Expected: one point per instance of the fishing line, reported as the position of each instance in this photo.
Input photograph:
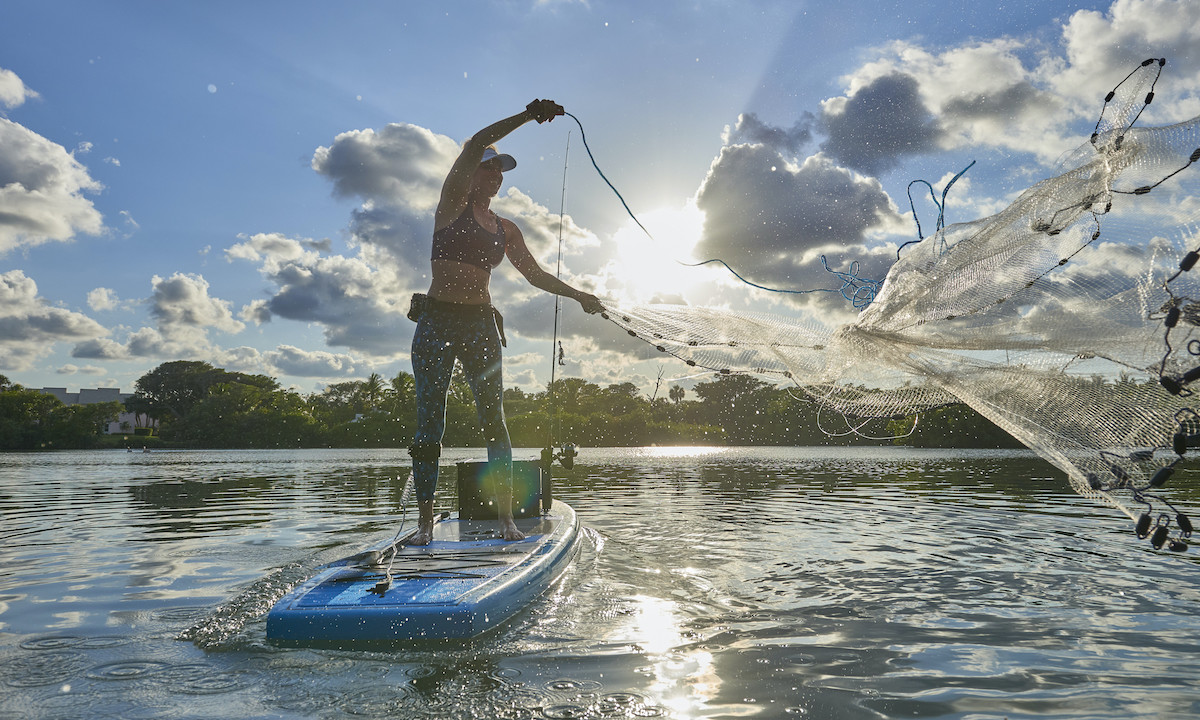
(863, 290)
(604, 177)
(859, 291)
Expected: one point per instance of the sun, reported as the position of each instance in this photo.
(644, 268)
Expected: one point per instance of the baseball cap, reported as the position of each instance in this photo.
(506, 161)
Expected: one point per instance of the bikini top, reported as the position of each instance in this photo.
(466, 241)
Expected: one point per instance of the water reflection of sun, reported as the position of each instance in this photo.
(683, 679)
(643, 268)
(681, 451)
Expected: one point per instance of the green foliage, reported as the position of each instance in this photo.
(172, 390)
(956, 426)
(199, 405)
(33, 420)
(241, 414)
(203, 406)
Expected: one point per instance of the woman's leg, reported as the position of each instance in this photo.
(484, 372)
(482, 361)
(433, 362)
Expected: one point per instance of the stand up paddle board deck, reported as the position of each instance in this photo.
(466, 582)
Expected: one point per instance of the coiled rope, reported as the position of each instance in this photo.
(941, 206)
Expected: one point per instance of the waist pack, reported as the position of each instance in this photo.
(417, 306)
(422, 303)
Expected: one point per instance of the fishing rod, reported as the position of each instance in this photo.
(567, 454)
(555, 356)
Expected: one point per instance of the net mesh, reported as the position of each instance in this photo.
(1067, 319)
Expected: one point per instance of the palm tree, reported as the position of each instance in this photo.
(404, 392)
(372, 390)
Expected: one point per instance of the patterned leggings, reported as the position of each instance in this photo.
(469, 333)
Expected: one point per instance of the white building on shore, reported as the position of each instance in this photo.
(124, 424)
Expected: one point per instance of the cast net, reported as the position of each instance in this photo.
(1069, 319)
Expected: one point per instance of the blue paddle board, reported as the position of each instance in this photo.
(467, 581)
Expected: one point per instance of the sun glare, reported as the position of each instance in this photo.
(644, 268)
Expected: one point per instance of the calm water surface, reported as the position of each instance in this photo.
(763, 583)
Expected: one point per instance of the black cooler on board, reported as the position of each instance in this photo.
(477, 495)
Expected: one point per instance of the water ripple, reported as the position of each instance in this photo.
(771, 582)
(125, 669)
(43, 668)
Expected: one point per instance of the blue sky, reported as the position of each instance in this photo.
(252, 184)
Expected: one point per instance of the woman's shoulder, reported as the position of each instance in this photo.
(444, 221)
(510, 227)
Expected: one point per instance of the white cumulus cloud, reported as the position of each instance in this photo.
(29, 327)
(13, 91)
(102, 298)
(42, 190)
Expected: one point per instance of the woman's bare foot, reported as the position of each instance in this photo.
(424, 534)
(509, 531)
(421, 537)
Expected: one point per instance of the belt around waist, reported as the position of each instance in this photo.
(422, 302)
(460, 308)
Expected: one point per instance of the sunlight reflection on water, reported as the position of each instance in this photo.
(713, 582)
(678, 452)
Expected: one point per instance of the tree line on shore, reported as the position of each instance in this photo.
(197, 405)
(34, 420)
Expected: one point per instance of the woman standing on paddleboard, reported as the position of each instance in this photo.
(457, 320)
